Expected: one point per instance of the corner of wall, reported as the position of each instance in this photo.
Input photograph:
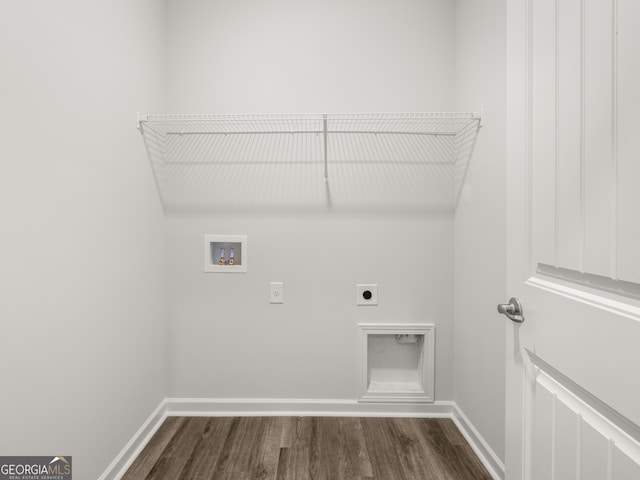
(479, 272)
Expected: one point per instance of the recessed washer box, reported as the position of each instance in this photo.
(225, 253)
(397, 362)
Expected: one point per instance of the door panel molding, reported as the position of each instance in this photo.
(573, 434)
(600, 284)
(583, 172)
(597, 300)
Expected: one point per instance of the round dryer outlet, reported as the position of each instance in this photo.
(367, 294)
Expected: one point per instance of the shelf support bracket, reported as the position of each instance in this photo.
(141, 118)
(324, 128)
(479, 115)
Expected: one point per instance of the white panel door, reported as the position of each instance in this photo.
(573, 216)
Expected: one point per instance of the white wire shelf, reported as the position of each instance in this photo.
(203, 160)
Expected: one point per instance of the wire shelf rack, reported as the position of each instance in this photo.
(374, 159)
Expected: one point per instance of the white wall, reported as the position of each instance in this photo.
(301, 56)
(226, 340)
(82, 314)
(480, 235)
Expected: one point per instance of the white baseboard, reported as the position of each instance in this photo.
(484, 452)
(230, 407)
(133, 448)
(243, 407)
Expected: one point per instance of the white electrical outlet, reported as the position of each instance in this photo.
(277, 292)
(367, 294)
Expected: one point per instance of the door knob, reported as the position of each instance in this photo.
(513, 310)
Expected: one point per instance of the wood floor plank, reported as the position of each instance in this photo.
(289, 428)
(354, 447)
(450, 430)
(307, 448)
(452, 462)
(178, 451)
(233, 458)
(208, 451)
(251, 451)
(295, 459)
(293, 463)
(266, 449)
(472, 464)
(327, 460)
(416, 452)
(325, 447)
(382, 445)
(154, 449)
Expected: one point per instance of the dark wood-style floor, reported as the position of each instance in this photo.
(301, 448)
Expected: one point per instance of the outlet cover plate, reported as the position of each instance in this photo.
(277, 292)
(361, 299)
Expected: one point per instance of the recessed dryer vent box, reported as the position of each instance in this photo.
(225, 253)
(397, 362)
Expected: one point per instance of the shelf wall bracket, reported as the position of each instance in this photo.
(141, 118)
(480, 116)
(326, 167)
